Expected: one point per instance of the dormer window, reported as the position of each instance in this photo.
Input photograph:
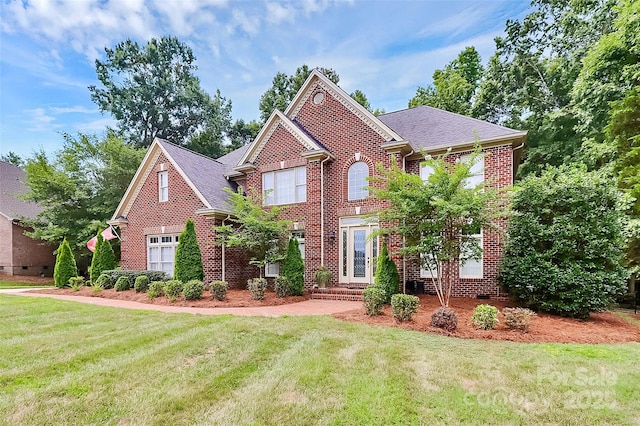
(358, 185)
(163, 186)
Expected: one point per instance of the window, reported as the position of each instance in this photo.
(163, 186)
(357, 175)
(426, 272)
(285, 186)
(425, 172)
(273, 269)
(477, 172)
(473, 268)
(161, 252)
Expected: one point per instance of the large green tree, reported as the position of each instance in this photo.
(242, 133)
(79, 187)
(438, 217)
(284, 89)
(152, 90)
(454, 86)
(530, 79)
(259, 231)
(565, 242)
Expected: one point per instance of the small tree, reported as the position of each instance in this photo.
(387, 277)
(293, 269)
(439, 216)
(254, 229)
(565, 243)
(188, 256)
(65, 267)
(103, 258)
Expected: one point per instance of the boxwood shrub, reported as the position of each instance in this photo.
(485, 317)
(373, 298)
(123, 283)
(141, 284)
(218, 289)
(193, 290)
(135, 273)
(173, 289)
(156, 289)
(404, 306)
(257, 287)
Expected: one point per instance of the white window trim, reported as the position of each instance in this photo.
(160, 244)
(360, 193)
(163, 191)
(268, 270)
(269, 199)
(462, 273)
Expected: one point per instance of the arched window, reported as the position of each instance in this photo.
(358, 184)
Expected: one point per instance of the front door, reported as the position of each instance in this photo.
(359, 253)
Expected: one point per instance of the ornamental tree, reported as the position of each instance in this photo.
(65, 267)
(103, 258)
(437, 217)
(387, 277)
(293, 269)
(258, 231)
(565, 243)
(188, 256)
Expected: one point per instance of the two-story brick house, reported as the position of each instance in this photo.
(314, 158)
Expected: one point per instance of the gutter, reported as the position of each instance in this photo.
(322, 210)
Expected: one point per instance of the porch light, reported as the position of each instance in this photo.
(332, 235)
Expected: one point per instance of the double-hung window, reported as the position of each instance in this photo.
(161, 252)
(472, 268)
(285, 186)
(476, 172)
(163, 186)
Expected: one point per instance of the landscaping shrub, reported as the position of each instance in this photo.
(444, 318)
(485, 317)
(156, 289)
(76, 283)
(565, 243)
(188, 258)
(173, 289)
(106, 281)
(281, 286)
(404, 306)
(123, 284)
(257, 287)
(387, 277)
(373, 298)
(65, 266)
(518, 318)
(132, 274)
(141, 284)
(193, 290)
(103, 258)
(219, 289)
(96, 287)
(293, 269)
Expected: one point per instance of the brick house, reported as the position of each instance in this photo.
(315, 158)
(19, 254)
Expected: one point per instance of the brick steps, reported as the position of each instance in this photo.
(337, 293)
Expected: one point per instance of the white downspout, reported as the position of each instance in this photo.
(404, 239)
(322, 211)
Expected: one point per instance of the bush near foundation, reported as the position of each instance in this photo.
(193, 290)
(444, 318)
(141, 284)
(123, 284)
(373, 298)
(219, 289)
(156, 289)
(404, 306)
(485, 317)
(173, 289)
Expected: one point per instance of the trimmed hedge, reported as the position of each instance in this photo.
(218, 289)
(132, 274)
(281, 286)
(156, 289)
(106, 281)
(257, 287)
(141, 284)
(173, 289)
(193, 290)
(373, 298)
(123, 284)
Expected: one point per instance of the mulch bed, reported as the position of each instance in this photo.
(235, 298)
(603, 327)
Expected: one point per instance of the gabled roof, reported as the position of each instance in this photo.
(277, 118)
(428, 128)
(204, 175)
(12, 185)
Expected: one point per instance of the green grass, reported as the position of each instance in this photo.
(16, 284)
(69, 363)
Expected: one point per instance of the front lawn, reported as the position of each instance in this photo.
(18, 284)
(69, 363)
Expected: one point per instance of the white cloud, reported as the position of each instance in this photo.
(240, 19)
(78, 109)
(95, 126)
(277, 13)
(37, 120)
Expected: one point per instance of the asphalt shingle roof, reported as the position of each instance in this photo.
(427, 127)
(206, 174)
(12, 185)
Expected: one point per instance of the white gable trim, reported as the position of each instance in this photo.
(317, 79)
(143, 172)
(276, 118)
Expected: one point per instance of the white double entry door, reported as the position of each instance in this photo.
(358, 251)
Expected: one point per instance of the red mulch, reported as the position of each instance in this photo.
(603, 327)
(235, 298)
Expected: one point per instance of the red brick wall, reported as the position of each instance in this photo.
(148, 216)
(21, 255)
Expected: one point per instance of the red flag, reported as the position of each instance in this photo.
(108, 234)
(91, 244)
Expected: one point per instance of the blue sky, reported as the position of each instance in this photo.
(384, 48)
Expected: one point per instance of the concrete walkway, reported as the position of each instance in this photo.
(308, 307)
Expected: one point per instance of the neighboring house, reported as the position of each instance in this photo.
(19, 254)
(314, 158)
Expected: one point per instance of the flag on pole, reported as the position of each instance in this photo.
(107, 234)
